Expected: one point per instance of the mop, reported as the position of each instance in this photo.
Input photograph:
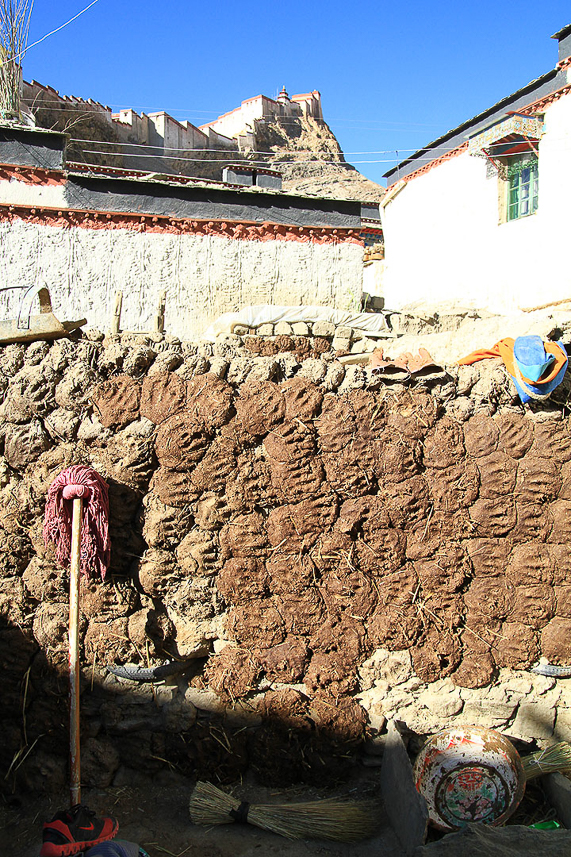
(80, 532)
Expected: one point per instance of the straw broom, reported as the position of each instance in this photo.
(339, 820)
(554, 758)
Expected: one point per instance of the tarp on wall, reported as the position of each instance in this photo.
(371, 323)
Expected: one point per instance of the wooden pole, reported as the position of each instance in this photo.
(74, 575)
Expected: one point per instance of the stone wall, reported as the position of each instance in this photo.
(328, 549)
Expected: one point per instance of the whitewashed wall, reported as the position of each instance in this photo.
(443, 239)
(203, 276)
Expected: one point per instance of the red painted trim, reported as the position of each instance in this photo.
(32, 175)
(158, 224)
(542, 103)
(435, 163)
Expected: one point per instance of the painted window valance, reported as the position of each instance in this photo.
(518, 125)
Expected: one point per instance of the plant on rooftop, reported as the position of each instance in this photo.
(14, 29)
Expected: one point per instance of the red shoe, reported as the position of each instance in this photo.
(74, 830)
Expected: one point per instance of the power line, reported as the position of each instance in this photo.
(47, 35)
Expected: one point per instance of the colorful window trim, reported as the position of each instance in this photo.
(522, 187)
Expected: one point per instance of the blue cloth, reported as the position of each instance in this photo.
(116, 848)
(533, 361)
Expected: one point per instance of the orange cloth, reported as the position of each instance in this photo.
(505, 349)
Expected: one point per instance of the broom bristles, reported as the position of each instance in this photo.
(338, 820)
(548, 761)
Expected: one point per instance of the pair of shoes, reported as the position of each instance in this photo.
(74, 830)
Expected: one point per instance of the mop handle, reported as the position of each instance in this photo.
(75, 493)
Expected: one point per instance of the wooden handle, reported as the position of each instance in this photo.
(74, 573)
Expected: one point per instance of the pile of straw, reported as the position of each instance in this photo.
(554, 758)
(339, 820)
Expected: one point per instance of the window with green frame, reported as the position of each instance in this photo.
(523, 186)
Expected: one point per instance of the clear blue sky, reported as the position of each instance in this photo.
(392, 76)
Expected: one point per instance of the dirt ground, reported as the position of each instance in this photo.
(156, 816)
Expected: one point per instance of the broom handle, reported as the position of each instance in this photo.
(74, 755)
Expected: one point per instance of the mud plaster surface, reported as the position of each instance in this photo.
(287, 533)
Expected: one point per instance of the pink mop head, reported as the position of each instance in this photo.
(79, 481)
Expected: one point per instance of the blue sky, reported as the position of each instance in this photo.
(392, 76)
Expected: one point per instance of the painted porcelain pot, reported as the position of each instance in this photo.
(469, 774)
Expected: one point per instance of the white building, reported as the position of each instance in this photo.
(480, 214)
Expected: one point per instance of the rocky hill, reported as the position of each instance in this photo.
(304, 149)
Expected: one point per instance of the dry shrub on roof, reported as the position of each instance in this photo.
(497, 475)
(556, 641)
(209, 401)
(232, 673)
(117, 401)
(180, 443)
(286, 662)
(256, 625)
(162, 395)
(260, 406)
(516, 434)
(302, 399)
(481, 436)
(244, 536)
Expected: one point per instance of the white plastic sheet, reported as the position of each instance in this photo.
(371, 323)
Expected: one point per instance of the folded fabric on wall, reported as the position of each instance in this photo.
(373, 323)
(536, 367)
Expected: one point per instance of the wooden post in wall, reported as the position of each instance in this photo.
(116, 317)
(160, 316)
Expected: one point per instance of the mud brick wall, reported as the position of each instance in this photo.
(333, 552)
